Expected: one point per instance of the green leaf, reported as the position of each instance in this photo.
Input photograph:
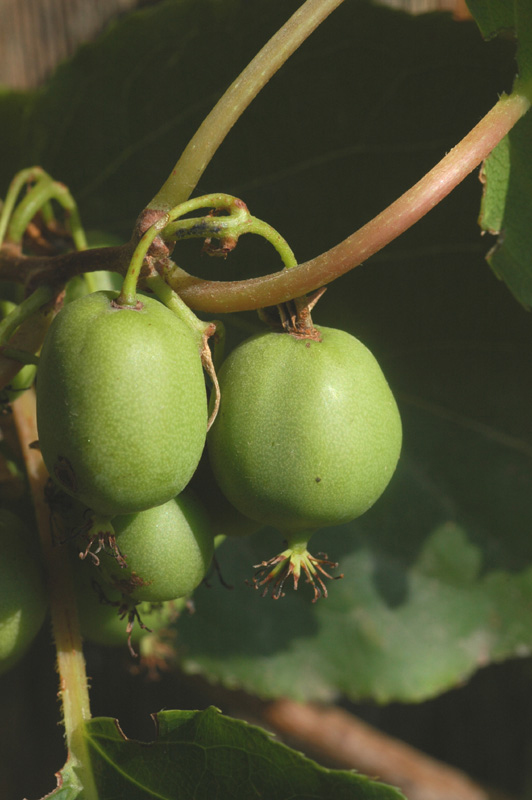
(389, 630)
(507, 17)
(493, 16)
(507, 207)
(112, 122)
(203, 755)
(507, 201)
(69, 786)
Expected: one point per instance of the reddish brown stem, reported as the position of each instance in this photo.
(220, 297)
(56, 270)
(350, 742)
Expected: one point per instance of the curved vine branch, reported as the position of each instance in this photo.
(217, 297)
(222, 297)
(32, 271)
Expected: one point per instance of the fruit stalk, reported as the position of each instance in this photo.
(217, 297)
(37, 199)
(73, 689)
(15, 187)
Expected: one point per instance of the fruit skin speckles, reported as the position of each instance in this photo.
(121, 404)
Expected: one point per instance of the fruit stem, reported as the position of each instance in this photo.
(222, 297)
(218, 297)
(73, 685)
(19, 355)
(20, 313)
(262, 228)
(128, 294)
(235, 207)
(231, 227)
(44, 190)
(198, 153)
(35, 198)
(172, 301)
(24, 176)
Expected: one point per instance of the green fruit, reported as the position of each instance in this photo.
(167, 549)
(23, 600)
(308, 433)
(101, 280)
(103, 619)
(25, 376)
(224, 518)
(121, 404)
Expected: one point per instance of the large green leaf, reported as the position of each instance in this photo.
(438, 575)
(112, 122)
(493, 16)
(421, 605)
(205, 755)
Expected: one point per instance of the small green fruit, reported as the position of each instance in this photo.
(25, 376)
(167, 550)
(103, 619)
(23, 600)
(121, 404)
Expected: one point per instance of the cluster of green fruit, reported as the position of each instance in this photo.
(307, 435)
(122, 415)
(122, 420)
